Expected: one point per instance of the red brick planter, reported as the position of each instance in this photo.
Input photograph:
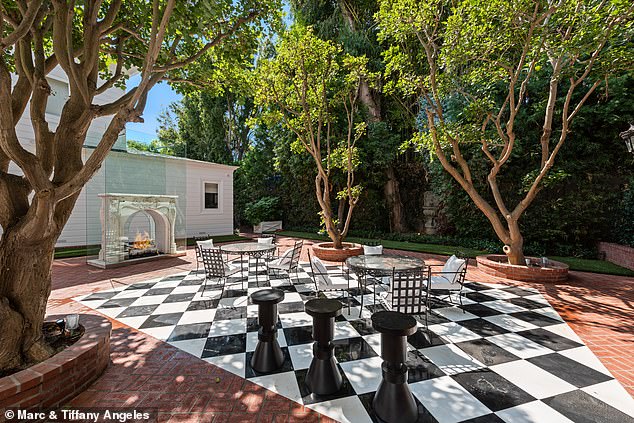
(52, 383)
(326, 251)
(621, 255)
(497, 265)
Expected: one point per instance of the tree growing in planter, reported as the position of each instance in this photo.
(471, 63)
(97, 44)
(304, 87)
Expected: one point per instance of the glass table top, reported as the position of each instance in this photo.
(247, 247)
(384, 262)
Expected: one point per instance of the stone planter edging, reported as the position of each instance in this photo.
(324, 251)
(490, 264)
(54, 382)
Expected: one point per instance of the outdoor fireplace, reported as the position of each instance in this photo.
(118, 245)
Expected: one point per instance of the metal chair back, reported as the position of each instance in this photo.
(409, 292)
(213, 262)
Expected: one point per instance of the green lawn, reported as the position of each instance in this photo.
(91, 250)
(579, 264)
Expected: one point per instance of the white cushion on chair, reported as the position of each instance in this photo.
(205, 245)
(454, 265)
(266, 241)
(444, 282)
(321, 273)
(283, 261)
(372, 250)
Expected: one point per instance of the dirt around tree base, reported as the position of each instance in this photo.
(54, 339)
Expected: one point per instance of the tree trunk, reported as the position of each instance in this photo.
(515, 249)
(25, 284)
(393, 198)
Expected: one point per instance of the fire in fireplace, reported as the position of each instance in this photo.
(142, 246)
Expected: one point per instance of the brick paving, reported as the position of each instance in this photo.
(146, 372)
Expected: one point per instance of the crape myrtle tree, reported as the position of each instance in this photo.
(98, 44)
(471, 63)
(308, 87)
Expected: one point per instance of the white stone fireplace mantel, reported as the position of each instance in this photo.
(117, 208)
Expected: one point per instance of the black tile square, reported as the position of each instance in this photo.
(550, 340)
(569, 370)
(141, 285)
(138, 311)
(233, 293)
(435, 302)
(424, 338)
(117, 302)
(487, 418)
(519, 291)
(492, 389)
(287, 365)
(480, 310)
(432, 318)
(223, 345)
(476, 286)
(482, 327)
(486, 352)
(299, 335)
(350, 349)
(294, 307)
(159, 291)
(581, 407)
(173, 278)
(535, 318)
(424, 416)
(229, 313)
(100, 296)
(421, 368)
(203, 305)
(363, 326)
(159, 320)
(526, 303)
(254, 326)
(478, 297)
(308, 397)
(179, 298)
(190, 331)
(191, 282)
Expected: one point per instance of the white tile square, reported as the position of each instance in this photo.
(447, 400)
(565, 331)
(374, 341)
(166, 308)
(227, 327)
(149, 300)
(453, 332)
(455, 314)
(301, 355)
(586, 357)
(166, 284)
(532, 412)
(549, 312)
(197, 316)
(192, 346)
(161, 333)
(284, 384)
(451, 359)
(133, 322)
(344, 330)
(536, 381)
(364, 375)
(187, 289)
(92, 303)
(233, 302)
(510, 323)
(612, 393)
(518, 345)
(345, 410)
(291, 297)
(503, 306)
(499, 294)
(111, 312)
(291, 320)
(209, 294)
(131, 293)
(234, 363)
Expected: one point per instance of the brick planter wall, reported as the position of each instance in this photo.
(52, 383)
(618, 254)
(325, 251)
(497, 265)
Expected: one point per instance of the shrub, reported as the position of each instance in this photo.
(266, 208)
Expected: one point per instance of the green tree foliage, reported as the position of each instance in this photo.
(302, 88)
(472, 64)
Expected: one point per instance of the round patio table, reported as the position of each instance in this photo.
(380, 266)
(251, 249)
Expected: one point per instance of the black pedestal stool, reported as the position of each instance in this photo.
(268, 355)
(323, 376)
(393, 401)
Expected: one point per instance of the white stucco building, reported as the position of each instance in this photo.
(202, 192)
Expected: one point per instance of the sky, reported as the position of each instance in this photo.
(159, 98)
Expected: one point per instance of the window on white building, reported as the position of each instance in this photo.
(211, 195)
(58, 97)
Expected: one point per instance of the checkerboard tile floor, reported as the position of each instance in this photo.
(505, 355)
